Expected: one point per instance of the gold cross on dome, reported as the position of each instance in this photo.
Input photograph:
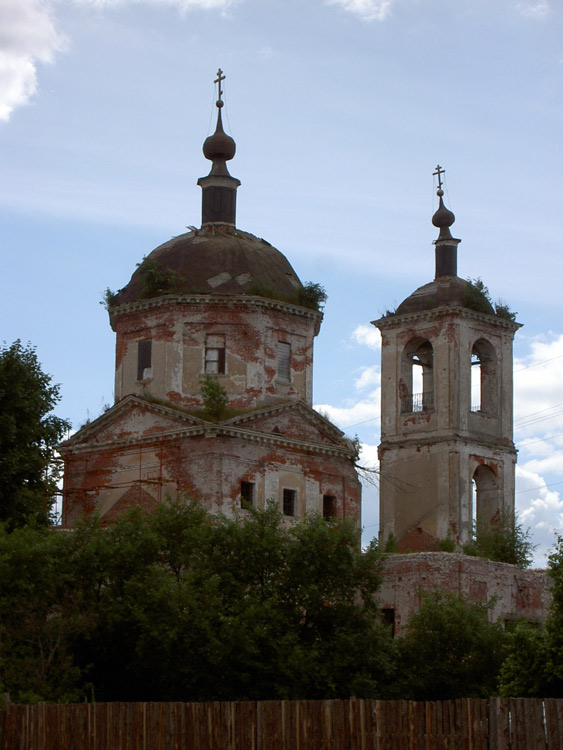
(220, 77)
(439, 172)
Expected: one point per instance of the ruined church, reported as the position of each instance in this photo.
(220, 307)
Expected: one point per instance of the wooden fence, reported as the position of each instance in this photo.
(496, 724)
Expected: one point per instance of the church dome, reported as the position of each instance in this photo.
(226, 261)
(443, 292)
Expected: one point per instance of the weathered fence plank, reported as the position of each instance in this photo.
(472, 724)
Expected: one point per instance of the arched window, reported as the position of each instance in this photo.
(417, 376)
(484, 388)
(486, 505)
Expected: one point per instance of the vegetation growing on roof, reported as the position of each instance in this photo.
(477, 297)
(109, 298)
(215, 397)
(310, 295)
(157, 281)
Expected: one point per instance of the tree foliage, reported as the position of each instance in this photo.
(179, 605)
(215, 396)
(502, 541)
(29, 435)
(523, 673)
(534, 662)
(450, 650)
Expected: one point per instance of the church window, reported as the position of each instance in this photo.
(247, 494)
(144, 359)
(417, 377)
(215, 355)
(329, 506)
(388, 617)
(484, 390)
(289, 498)
(284, 360)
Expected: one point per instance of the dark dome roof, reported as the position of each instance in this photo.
(443, 292)
(225, 262)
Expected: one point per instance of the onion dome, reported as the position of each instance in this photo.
(443, 218)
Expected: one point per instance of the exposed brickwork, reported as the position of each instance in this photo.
(516, 593)
(139, 452)
(252, 327)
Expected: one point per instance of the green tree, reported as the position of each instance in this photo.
(554, 625)
(524, 670)
(39, 617)
(501, 541)
(182, 605)
(534, 662)
(215, 397)
(449, 650)
(29, 435)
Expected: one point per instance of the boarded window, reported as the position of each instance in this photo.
(329, 506)
(284, 361)
(144, 358)
(215, 355)
(246, 494)
(289, 497)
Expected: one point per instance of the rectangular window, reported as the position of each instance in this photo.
(388, 617)
(329, 506)
(215, 355)
(289, 497)
(246, 494)
(144, 358)
(284, 361)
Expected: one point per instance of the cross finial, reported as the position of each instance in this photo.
(220, 77)
(439, 172)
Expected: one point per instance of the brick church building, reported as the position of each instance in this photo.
(221, 302)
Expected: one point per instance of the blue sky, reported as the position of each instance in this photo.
(341, 110)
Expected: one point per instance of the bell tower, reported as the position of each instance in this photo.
(446, 454)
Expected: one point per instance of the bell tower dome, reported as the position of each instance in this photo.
(446, 454)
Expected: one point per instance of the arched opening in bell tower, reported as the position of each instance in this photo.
(484, 390)
(417, 376)
(485, 501)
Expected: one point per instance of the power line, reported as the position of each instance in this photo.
(543, 361)
(540, 440)
(540, 411)
(539, 487)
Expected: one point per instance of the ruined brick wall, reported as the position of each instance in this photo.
(518, 593)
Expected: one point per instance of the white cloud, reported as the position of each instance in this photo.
(370, 376)
(534, 8)
(359, 412)
(371, 10)
(540, 508)
(27, 36)
(367, 335)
